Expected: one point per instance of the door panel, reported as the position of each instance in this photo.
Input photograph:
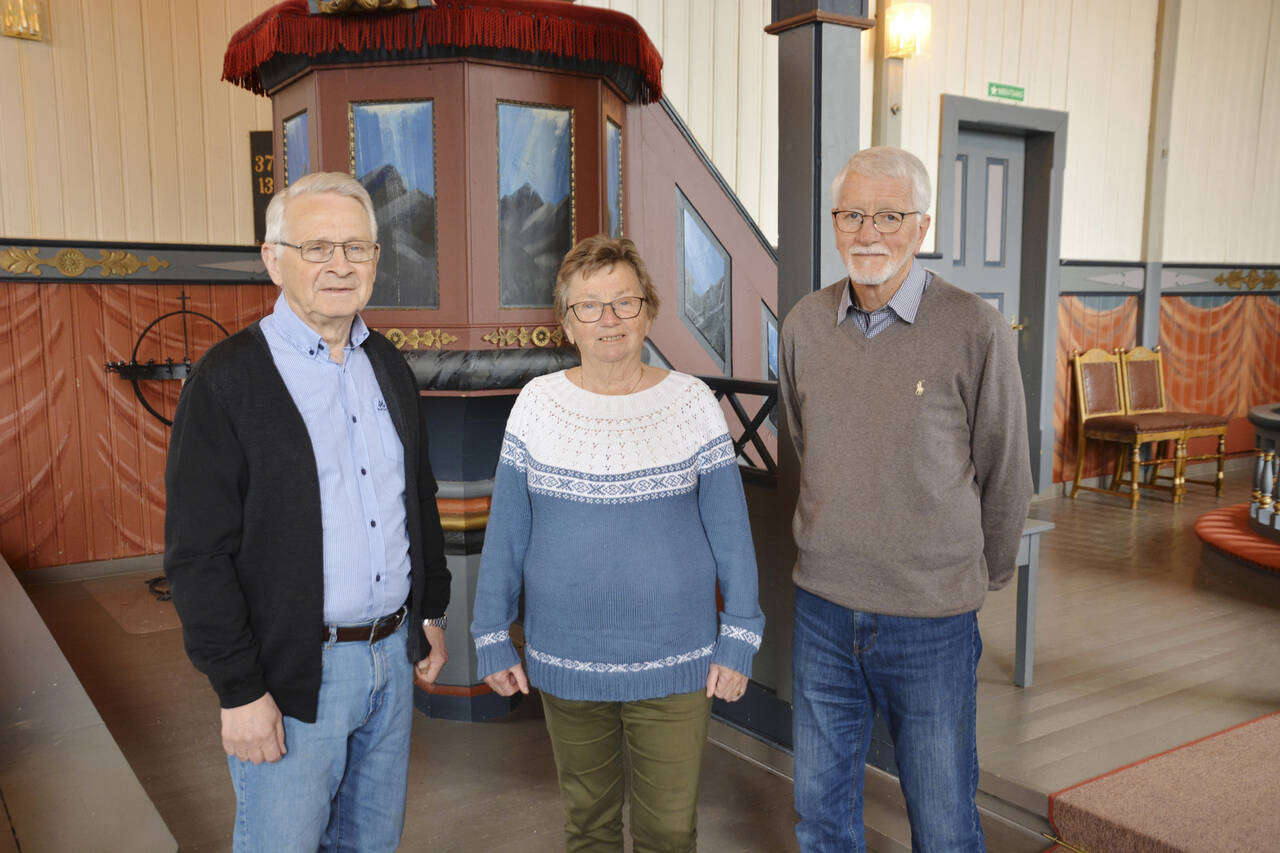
(986, 246)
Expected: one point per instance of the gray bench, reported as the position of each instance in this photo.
(65, 783)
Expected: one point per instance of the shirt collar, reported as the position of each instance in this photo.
(905, 302)
(305, 339)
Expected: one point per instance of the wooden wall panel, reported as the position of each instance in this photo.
(749, 83)
(135, 120)
(123, 129)
(118, 127)
(1091, 58)
(720, 74)
(61, 388)
(15, 204)
(44, 141)
(214, 98)
(71, 106)
(1264, 205)
(106, 113)
(13, 509)
(725, 89)
(1220, 156)
(165, 186)
(659, 160)
(87, 460)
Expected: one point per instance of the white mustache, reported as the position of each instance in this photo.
(868, 250)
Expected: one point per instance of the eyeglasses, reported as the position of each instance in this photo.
(886, 221)
(319, 251)
(624, 308)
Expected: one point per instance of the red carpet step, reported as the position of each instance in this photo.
(1219, 794)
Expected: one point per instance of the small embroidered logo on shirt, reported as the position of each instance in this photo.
(919, 387)
(382, 404)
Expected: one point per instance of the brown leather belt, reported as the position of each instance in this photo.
(372, 633)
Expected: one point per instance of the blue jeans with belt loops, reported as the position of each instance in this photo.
(341, 784)
(921, 674)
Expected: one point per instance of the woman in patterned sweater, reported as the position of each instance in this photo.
(617, 507)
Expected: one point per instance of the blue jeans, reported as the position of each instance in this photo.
(921, 674)
(341, 784)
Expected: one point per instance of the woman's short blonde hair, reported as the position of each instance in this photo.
(601, 253)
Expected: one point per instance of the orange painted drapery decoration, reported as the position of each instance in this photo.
(1222, 356)
(83, 461)
(1081, 327)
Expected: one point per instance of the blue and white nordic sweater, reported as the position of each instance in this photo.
(618, 515)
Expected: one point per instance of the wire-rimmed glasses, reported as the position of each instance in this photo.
(320, 251)
(885, 221)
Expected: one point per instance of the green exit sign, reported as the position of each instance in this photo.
(1005, 91)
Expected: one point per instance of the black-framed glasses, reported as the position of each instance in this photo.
(591, 310)
(885, 221)
(319, 251)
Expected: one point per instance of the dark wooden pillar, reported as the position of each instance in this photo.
(819, 62)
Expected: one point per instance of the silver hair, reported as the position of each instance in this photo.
(884, 161)
(338, 183)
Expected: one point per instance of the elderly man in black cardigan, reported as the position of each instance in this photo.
(303, 544)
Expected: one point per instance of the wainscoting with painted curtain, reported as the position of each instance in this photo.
(1221, 353)
(83, 460)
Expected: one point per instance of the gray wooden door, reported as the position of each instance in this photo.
(986, 238)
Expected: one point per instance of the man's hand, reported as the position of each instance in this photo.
(725, 683)
(254, 732)
(508, 681)
(429, 667)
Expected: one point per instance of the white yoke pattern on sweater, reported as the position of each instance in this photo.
(617, 515)
(617, 456)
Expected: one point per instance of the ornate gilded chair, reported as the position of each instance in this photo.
(1143, 372)
(1101, 403)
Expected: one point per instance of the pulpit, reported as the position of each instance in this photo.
(491, 137)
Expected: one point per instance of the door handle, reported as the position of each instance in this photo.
(1015, 325)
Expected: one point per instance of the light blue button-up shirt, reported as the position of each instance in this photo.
(903, 305)
(360, 461)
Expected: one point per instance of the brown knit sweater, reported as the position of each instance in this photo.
(915, 469)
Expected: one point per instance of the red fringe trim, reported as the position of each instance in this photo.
(564, 29)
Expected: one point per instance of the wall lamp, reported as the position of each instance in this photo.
(907, 30)
(21, 19)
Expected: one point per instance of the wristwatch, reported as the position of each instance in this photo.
(440, 622)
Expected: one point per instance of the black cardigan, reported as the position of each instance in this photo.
(243, 538)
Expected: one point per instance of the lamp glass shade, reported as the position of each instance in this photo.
(907, 30)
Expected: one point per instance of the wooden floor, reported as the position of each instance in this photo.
(1141, 647)
(1142, 644)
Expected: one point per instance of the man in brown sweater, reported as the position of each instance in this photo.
(904, 400)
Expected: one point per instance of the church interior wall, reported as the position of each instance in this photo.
(119, 128)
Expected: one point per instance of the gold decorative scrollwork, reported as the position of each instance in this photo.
(72, 262)
(340, 7)
(1253, 280)
(21, 261)
(419, 338)
(539, 336)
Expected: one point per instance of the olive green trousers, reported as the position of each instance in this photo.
(663, 740)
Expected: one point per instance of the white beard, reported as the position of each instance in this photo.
(870, 279)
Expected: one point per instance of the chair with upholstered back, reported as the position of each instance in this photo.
(1142, 371)
(1101, 406)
